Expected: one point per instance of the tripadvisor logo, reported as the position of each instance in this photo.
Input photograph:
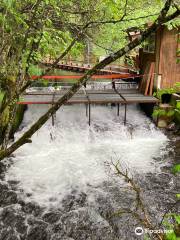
(139, 231)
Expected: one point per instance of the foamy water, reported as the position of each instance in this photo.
(72, 155)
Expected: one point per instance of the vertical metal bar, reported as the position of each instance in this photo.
(118, 109)
(52, 106)
(86, 110)
(113, 84)
(125, 113)
(52, 119)
(89, 114)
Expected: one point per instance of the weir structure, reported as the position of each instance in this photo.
(91, 97)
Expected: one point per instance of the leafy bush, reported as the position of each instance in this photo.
(161, 112)
(175, 89)
(160, 92)
(176, 169)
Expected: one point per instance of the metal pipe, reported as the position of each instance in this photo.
(125, 113)
(52, 106)
(89, 114)
(52, 119)
(86, 110)
(118, 109)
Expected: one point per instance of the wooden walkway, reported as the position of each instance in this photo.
(82, 67)
(88, 97)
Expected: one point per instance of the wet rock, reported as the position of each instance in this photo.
(86, 224)
(32, 208)
(73, 201)
(2, 170)
(8, 197)
(51, 217)
(171, 127)
(8, 216)
(12, 218)
(38, 229)
(9, 234)
(20, 225)
(58, 229)
(3, 186)
(38, 232)
(13, 184)
(32, 221)
(59, 237)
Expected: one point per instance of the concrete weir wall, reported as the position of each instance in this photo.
(18, 119)
(147, 108)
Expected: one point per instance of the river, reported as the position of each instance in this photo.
(62, 186)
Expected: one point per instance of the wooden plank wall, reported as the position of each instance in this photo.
(167, 59)
(144, 59)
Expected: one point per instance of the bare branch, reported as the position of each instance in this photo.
(120, 20)
(140, 206)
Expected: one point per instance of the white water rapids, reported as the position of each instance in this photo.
(48, 169)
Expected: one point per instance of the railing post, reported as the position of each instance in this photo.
(86, 110)
(89, 114)
(125, 113)
(118, 109)
(53, 115)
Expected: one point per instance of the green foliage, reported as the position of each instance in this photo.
(178, 195)
(110, 37)
(169, 225)
(35, 70)
(174, 89)
(158, 112)
(171, 236)
(161, 112)
(170, 113)
(160, 92)
(146, 237)
(177, 218)
(178, 105)
(5, 117)
(1, 96)
(176, 169)
(177, 87)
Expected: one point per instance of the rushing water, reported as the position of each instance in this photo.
(72, 156)
(66, 171)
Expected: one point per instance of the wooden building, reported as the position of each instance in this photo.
(162, 49)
